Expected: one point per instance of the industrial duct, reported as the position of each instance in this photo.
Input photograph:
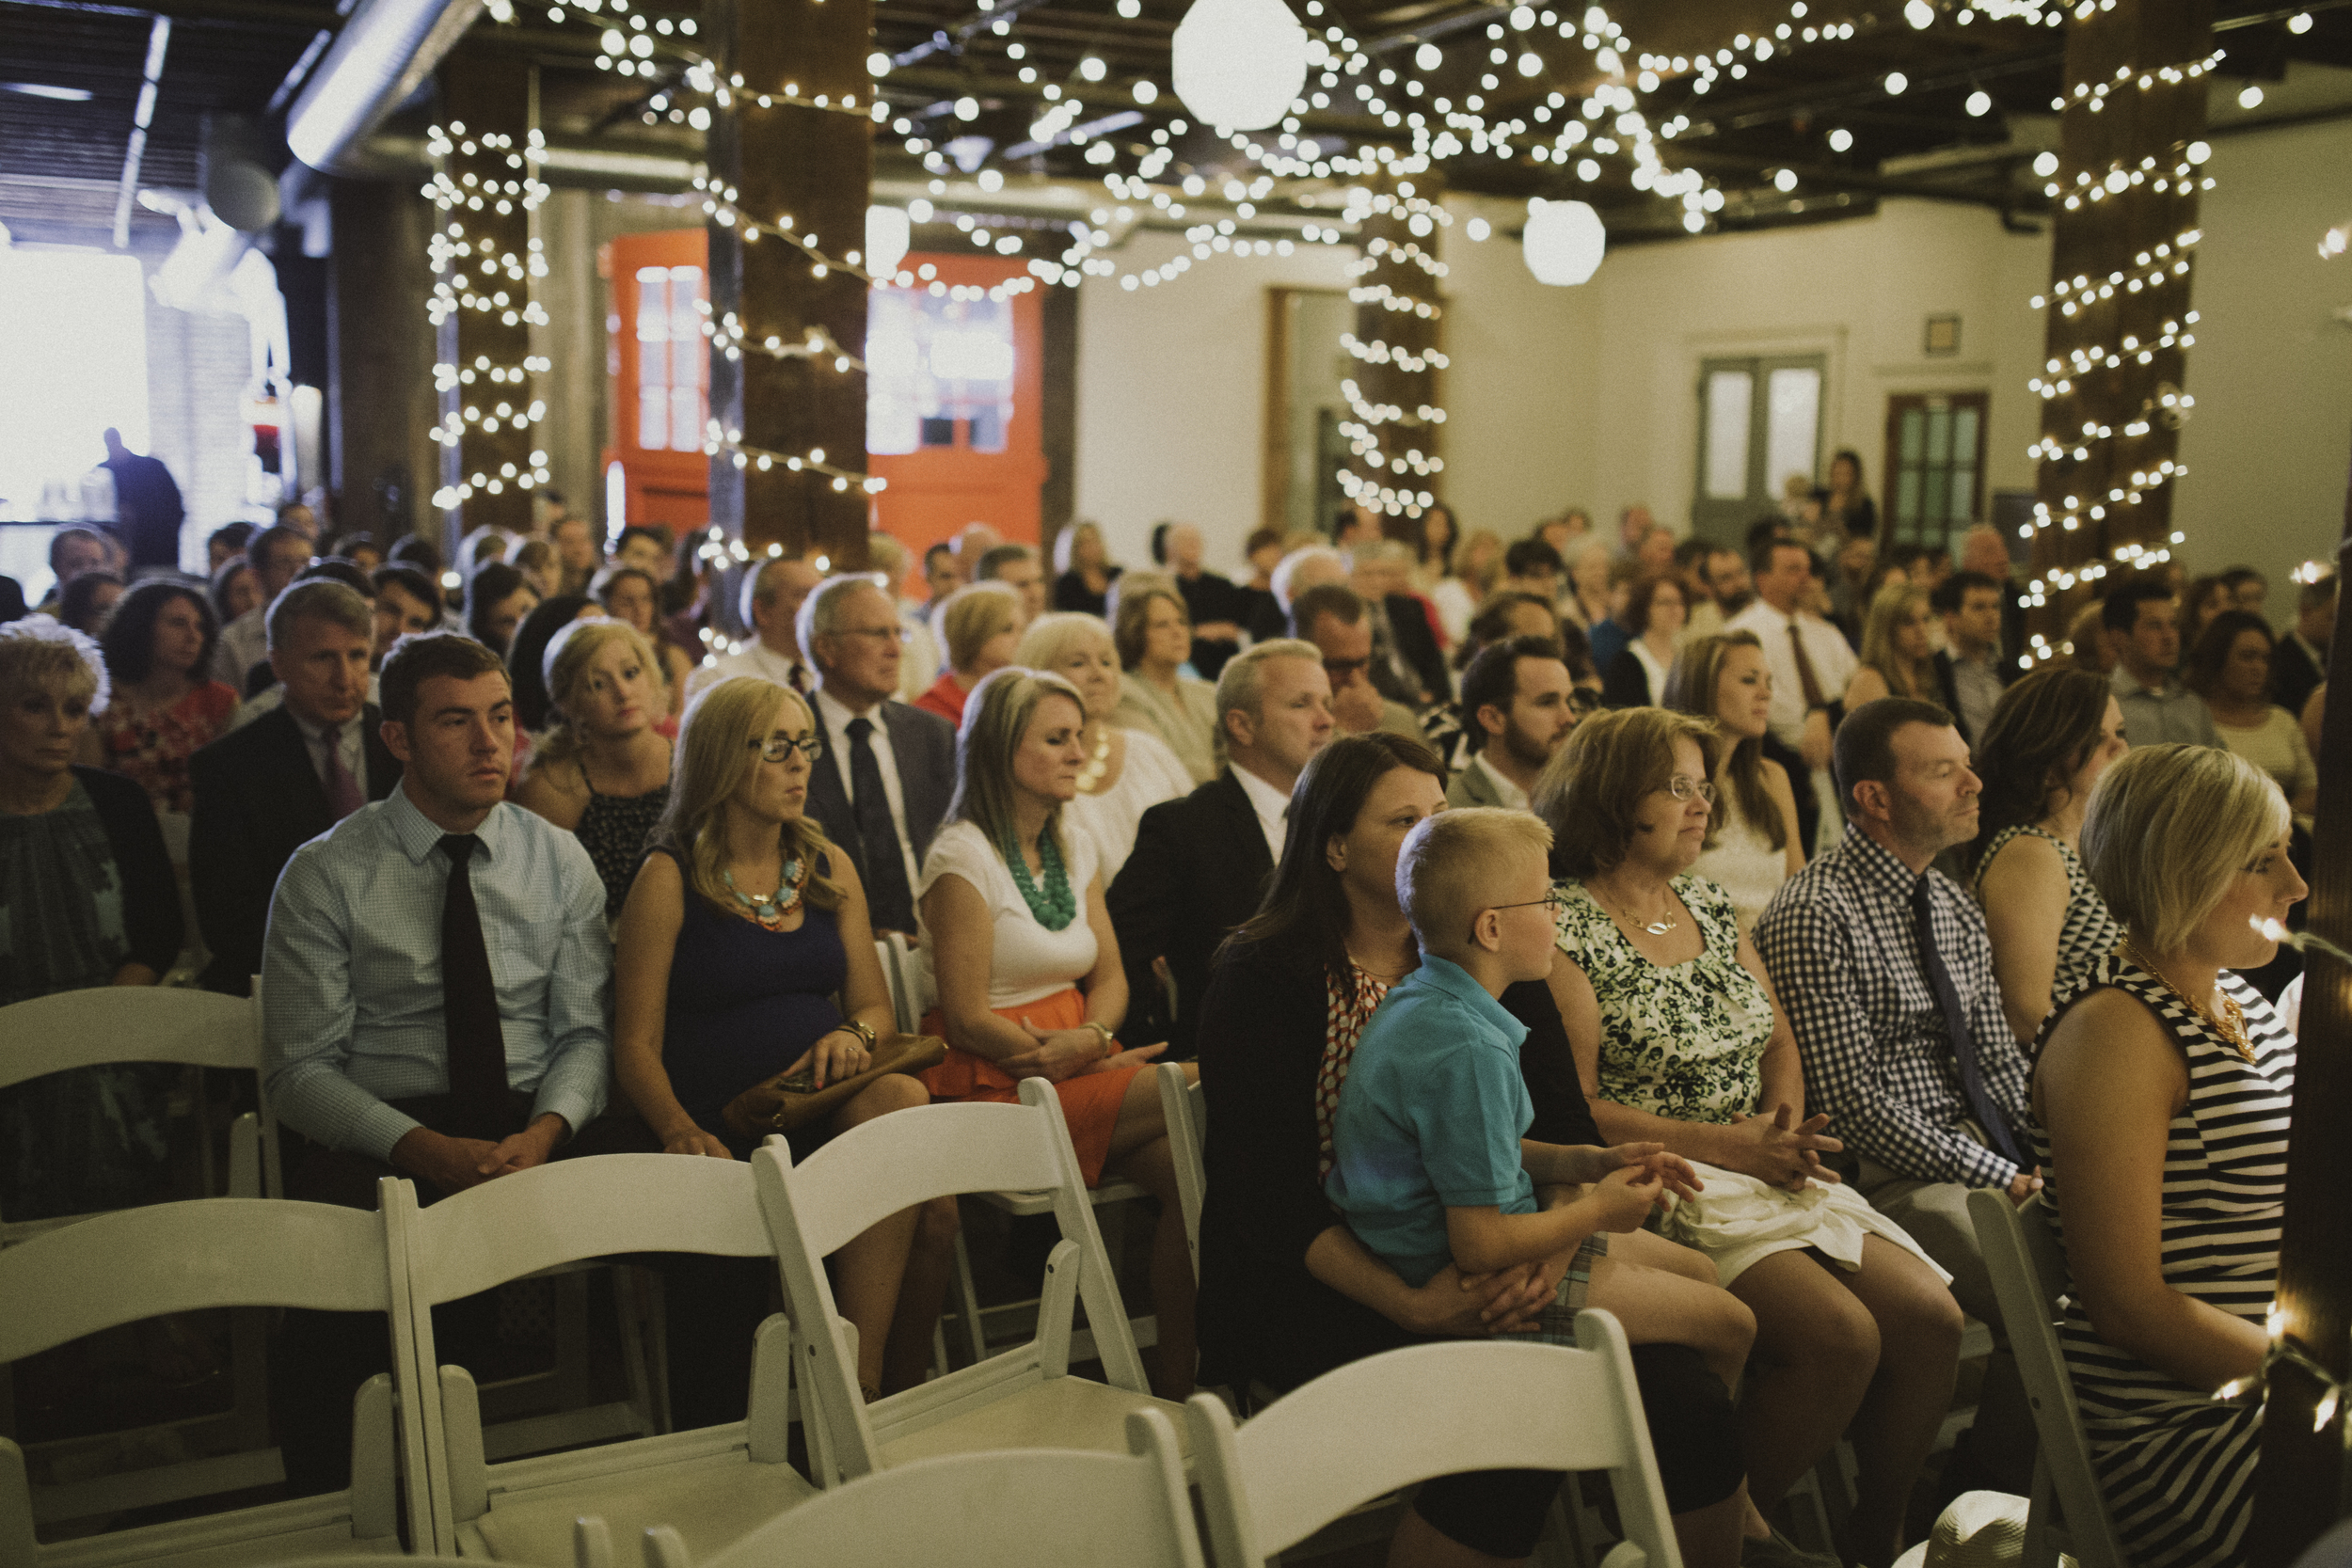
(383, 53)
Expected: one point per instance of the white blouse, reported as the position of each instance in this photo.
(1744, 864)
(1149, 775)
(1029, 962)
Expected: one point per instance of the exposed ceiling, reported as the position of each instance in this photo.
(62, 162)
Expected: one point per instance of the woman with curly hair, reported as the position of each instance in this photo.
(159, 649)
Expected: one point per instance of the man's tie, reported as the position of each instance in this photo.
(1990, 1116)
(469, 1008)
(889, 898)
(1806, 677)
(343, 794)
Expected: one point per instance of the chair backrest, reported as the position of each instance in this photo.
(1009, 1508)
(1388, 1420)
(127, 1023)
(121, 1267)
(890, 952)
(906, 1158)
(1185, 1110)
(2027, 1262)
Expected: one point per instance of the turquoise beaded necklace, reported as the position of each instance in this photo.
(1053, 904)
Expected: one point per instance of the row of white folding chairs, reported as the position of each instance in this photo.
(717, 1485)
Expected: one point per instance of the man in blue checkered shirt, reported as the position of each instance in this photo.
(1885, 970)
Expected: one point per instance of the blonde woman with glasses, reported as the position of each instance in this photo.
(741, 929)
(1030, 983)
(1681, 1041)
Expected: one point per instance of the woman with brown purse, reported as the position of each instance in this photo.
(740, 930)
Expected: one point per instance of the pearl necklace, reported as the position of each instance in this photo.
(1091, 774)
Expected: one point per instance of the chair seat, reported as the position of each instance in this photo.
(1117, 1190)
(232, 1543)
(712, 1510)
(1059, 1412)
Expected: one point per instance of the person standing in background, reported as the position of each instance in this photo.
(147, 504)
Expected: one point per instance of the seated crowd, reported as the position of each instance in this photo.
(1677, 930)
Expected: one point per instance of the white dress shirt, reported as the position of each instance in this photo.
(835, 716)
(1510, 795)
(757, 659)
(1825, 646)
(244, 643)
(1273, 808)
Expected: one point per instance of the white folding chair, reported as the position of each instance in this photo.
(1024, 1396)
(1008, 1509)
(2069, 1511)
(119, 1268)
(1375, 1425)
(1186, 1112)
(720, 1482)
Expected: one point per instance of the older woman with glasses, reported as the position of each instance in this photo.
(1680, 1041)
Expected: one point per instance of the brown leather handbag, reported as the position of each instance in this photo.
(790, 1101)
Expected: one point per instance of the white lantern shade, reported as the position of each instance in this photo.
(1564, 242)
(1238, 64)
(888, 233)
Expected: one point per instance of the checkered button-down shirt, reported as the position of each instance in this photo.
(1842, 945)
(351, 971)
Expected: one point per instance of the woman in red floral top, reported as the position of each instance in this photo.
(157, 646)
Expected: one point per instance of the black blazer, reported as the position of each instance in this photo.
(151, 894)
(2293, 676)
(1418, 644)
(924, 745)
(1199, 867)
(258, 799)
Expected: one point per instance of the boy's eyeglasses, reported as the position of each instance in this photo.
(777, 747)
(1684, 787)
(1555, 900)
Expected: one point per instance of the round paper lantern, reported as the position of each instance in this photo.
(1239, 63)
(1564, 242)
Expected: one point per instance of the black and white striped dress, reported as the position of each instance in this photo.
(2179, 1469)
(2089, 933)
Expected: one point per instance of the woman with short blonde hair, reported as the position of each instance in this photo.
(1127, 771)
(2161, 1091)
(741, 928)
(979, 627)
(605, 679)
(1029, 979)
(1680, 1040)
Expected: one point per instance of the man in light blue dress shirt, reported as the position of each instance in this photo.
(357, 1023)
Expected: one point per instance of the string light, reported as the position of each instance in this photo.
(819, 347)
(717, 439)
(720, 205)
(480, 276)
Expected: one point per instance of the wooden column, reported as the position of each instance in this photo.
(810, 170)
(486, 263)
(2118, 306)
(2302, 1484)
(1395, 422)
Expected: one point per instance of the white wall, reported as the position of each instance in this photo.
(1588, 395)
(2268, 444)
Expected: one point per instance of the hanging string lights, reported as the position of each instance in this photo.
(479, 277)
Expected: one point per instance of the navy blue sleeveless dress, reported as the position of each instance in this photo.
(744, 1003)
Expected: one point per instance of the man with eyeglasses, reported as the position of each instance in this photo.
(1519, 704)
(1335, 619)
(880, 782)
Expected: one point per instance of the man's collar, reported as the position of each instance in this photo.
(1506, 789)
(834, 714)
(2128, 685)
(1452, 978)
(1260, 793)
(1879, 864)
(416, 834)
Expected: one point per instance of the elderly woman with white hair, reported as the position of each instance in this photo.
(2161, 1091)
(602, 769)
(86, 899)
(1127, 771)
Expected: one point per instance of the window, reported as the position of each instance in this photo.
(1759, 427)
(1935, 473)
(939, 371)
(673, 362)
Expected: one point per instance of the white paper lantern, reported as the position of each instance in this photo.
(1238, 64)
(1564, 242)
(887, 236)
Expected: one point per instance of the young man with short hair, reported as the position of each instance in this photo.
(1968, 668)
(1519, 704)
(2145, 621)
(772, 593)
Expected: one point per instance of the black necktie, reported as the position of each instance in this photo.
(469, 1008)
(887, 895)
(1989, 1116)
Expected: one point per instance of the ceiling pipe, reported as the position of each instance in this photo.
(385, 51)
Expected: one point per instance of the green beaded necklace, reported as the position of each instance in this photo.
(1054, 904)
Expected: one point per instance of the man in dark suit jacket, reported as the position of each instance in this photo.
(266, 790)
(1201, 864)
(882, 782)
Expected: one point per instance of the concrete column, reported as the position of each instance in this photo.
(1395, 423)
(2118, 306)
(486, 263)
(781, 162)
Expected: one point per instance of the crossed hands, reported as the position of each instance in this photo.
(1060, 1054)
(453, 1164)
(1784, 1152)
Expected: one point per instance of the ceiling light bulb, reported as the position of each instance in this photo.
(2251, 98)
(1979, 103)
(1896, 83)
(1429, 56)
(1239, 63)
(877, 64)
(1840, 139)
(1920, 14)
(1563, 243)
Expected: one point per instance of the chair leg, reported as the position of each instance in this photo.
(628, 1310)
(968, 1301)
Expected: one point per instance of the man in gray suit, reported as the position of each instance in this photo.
(1518, 706)
(882, 781)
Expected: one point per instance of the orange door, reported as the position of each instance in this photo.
(953, 419)
(655, 470)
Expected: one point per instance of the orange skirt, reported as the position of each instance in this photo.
(1090, 1101)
